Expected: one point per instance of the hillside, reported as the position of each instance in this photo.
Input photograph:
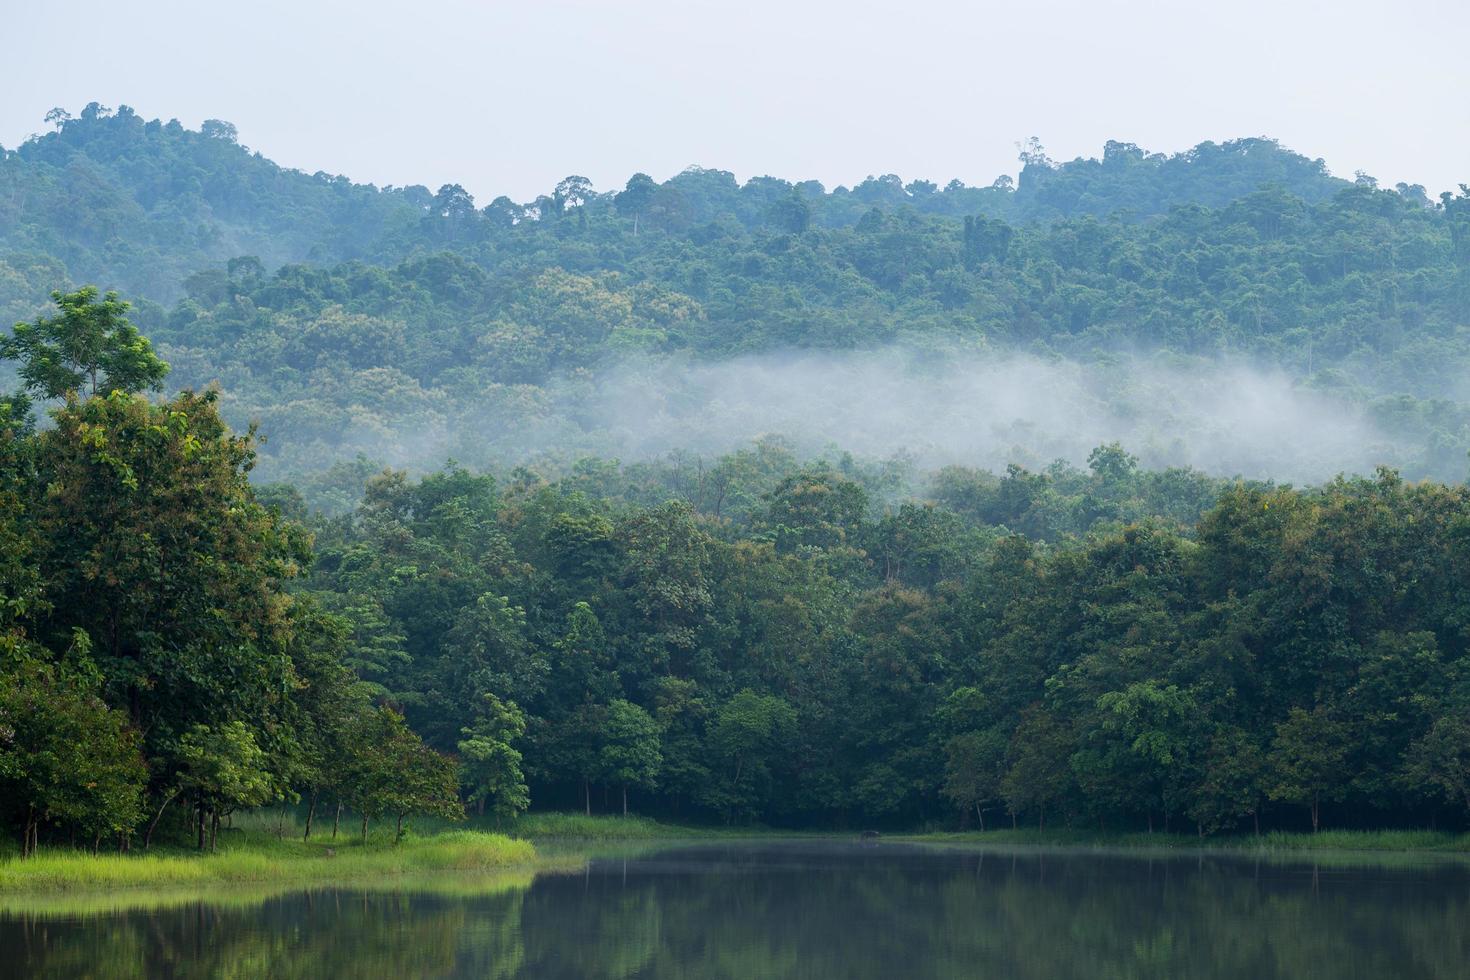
(394, 322)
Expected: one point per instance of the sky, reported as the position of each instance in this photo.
(507, 98)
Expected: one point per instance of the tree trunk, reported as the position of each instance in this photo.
(336, 820)
(214, 831)
(1315, 813)
(587, 796)
(25, 836)
(1256, 821)
(1150, 821)
(148, 837)
(1013, 819)
(310, 813)
(364, 828)
(398, 832)
(200, 821)
(981, 814)
(625, 799)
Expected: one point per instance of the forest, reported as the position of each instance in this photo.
(412, 326)
(233, 576)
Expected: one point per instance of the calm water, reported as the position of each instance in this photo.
(806, 909)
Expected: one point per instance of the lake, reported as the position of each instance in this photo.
(806, 908)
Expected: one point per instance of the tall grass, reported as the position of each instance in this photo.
(580, 826)
(611, 827)
(250, 857)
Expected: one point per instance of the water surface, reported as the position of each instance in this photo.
(799, 909)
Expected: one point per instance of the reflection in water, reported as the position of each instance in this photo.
(807, 910)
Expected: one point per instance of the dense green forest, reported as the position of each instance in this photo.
(195, 622)
(412, 326)
(751, 640)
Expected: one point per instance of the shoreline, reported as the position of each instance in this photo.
(258, 861)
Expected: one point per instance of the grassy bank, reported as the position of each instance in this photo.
(265, 851)
(265, 848)
(602, 827)
(1275, 842)
(253, 857)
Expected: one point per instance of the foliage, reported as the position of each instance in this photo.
(90, 347)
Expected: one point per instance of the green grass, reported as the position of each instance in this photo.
(579, 826)
(1273, 842)
(249, 856)
(611, 827)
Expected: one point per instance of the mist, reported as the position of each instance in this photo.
(981, 410)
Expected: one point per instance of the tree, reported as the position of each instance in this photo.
(750, 733)
(1308, 760)
(571, 192)
(154, 545)
(1230, 784)
(90, 343)
(791, 213)
(636, 197)
(1441, 758)
(391, 770)
(490, 764)
(630, 749)
(65, 757)
(1156, 723)
(1038, 775)
(223, 769)
(975, 768)
(219, 129)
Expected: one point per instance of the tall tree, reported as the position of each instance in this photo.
(90, 347)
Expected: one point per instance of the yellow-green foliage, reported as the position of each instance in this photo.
(257, 859)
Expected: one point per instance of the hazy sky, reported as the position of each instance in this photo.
(509, 97)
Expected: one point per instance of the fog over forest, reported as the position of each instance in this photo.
(986, 410)
(991, 410)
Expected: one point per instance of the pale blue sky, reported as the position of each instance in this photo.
(510, 97)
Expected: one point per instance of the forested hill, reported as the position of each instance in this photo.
(394, 322)
(143, 204)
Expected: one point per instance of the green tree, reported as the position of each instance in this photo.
(90, 348)
(1038, 775)
(65, 757)
(1308, 760)
(636, 198)
(1231, 781)
(490, 765)
(223, 769)
(629, 754)
(1441, 758)
(389, 770)
(154, 545)
(975, 765)
(750, 733)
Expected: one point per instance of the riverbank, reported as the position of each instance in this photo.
(254, 857)
(267, 850)
(579, 827)
(1274, 842)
